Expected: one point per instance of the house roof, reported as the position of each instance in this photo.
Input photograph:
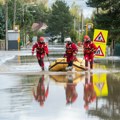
(39, 26)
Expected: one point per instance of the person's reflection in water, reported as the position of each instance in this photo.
(41, 93)
(70, 90)
(89, 92)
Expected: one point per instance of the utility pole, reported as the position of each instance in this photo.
(14, 19)
(6, 25)
(81, 21)
(74, 23)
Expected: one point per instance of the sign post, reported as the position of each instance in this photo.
(18, 43)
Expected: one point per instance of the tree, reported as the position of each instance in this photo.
(75, 11)
(40, 13)
(73, 35)
(2, 23)
(95, 4)
(60, 20)
(107, 17)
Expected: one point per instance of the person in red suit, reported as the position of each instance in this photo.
(70, 91)
(89, 92)
(41, 94)
(41, 50)
(89, 50)
(70, 53)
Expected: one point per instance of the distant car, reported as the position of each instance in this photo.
(55, 39)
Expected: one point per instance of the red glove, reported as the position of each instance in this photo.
(65, 56)
(32, 52)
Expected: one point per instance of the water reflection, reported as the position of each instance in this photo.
(70, 90)
(98, 91)
(89, 92)
(95, 88)
(63, 79)
(41, 93)
(100, 84)
(108, 96)
(70, 83)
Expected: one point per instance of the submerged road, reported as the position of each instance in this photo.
(81, 95)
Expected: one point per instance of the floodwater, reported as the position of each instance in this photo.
(26, 93)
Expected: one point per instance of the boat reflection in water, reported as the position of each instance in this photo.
(63, 79)
(41, 93)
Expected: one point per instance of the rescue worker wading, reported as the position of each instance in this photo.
(89, 51)
(71, 52)
(41, 50)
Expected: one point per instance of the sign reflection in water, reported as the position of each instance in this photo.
(100, 84)
(95, 86)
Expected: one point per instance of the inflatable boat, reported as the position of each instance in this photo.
(60, 64)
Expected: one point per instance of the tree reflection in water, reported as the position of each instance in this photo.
(110, 107)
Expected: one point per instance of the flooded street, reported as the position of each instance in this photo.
(26, 93)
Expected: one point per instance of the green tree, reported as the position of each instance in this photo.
(75, 10)
(60, 20)
(73, 35)
(107, 16)
(40, 13)
(2, 22)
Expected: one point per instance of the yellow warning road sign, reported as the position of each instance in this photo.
(101, 50)
(100, 36)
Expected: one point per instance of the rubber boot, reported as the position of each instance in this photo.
(42, 68)
(70, 68)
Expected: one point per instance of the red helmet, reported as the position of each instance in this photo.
(41, 39)
(87, 37)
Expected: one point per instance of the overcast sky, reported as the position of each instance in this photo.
(87, 11)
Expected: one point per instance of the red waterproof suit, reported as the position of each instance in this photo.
(41, 93)
(89, 50)
(71, 51)
(41, 50)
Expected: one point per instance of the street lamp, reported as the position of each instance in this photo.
(88, 26)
